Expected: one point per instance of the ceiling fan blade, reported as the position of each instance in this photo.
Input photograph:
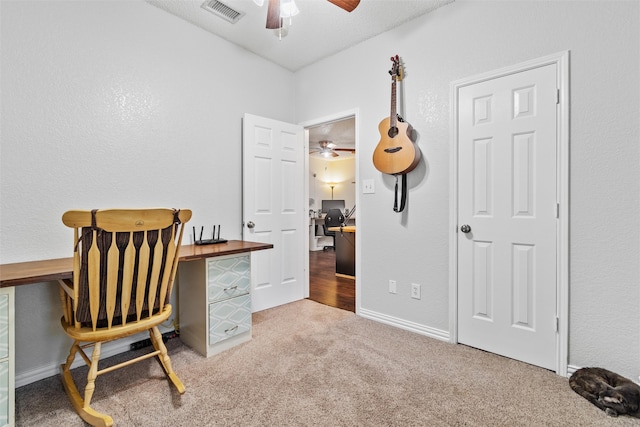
(347, 5)
(273, 15)
(351, 150)
(323, 153)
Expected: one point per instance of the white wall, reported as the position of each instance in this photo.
(468, 38)
(111, 103)
(342, 173)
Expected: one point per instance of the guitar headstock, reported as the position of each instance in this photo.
(396, 69)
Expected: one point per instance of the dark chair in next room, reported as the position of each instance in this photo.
(334, 218)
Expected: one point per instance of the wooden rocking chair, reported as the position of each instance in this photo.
(124, 264)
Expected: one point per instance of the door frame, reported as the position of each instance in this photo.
(315, 122)
(561, 60)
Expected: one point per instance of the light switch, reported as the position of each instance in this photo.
(368, 186)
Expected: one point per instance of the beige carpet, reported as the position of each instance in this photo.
(313, 365)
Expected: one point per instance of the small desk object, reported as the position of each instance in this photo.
(345, 251)
(194, 294)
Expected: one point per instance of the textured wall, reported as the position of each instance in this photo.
(118, 104)
(341, 172)
(108, 104)
(468, 38)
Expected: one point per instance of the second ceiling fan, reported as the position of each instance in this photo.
(328, 149)
(275, 20)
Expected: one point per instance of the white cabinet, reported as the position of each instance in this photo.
(316, 234)
(215, 302)
(7, 359)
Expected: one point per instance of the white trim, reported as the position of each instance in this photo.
(571, 369)
(49, 370)
(561, 60)
(417, 328)
(562, 271)
(305, 211)
(355, 112)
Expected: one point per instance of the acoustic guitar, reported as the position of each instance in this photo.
(396, 152)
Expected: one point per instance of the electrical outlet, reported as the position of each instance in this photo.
(392, 286)
(415, 291)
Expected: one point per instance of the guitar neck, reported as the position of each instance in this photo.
(393, 117)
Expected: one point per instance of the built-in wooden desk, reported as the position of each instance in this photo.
(345, 251)
(344, 229)
(51, 270)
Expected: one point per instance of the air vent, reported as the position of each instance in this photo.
(222, 10)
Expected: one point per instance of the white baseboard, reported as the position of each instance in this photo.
(405, 324)
(109, 349)
(571, 369)
(42, 372)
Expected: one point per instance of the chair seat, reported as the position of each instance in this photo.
(87, 334)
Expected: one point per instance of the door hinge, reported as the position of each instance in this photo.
(557, 324)
(557, 210)
(557, 96)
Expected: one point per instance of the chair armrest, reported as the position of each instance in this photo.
(67, 286)
(66, 297)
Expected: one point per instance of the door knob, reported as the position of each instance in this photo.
(250, 224)
(465, 228)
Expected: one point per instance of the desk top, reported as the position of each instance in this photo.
(345, 229)
(49, 270)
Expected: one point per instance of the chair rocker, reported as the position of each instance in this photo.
(124, 265)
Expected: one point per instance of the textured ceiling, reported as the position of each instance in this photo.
(342, 133)
(319, 30)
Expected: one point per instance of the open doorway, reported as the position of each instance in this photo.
(331, 172)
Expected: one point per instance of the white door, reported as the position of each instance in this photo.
(273, 208)
(507, 215)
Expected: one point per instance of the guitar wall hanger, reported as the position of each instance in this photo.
(213, 240)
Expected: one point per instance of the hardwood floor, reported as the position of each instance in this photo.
(325, 287)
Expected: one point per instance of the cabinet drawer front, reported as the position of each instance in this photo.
(229, 318)
(228, 277)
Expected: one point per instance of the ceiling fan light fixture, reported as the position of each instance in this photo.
(281, 32)
(278, 10)
(288, 8)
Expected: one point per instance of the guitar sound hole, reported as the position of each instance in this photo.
(392, 150)
(393, 132)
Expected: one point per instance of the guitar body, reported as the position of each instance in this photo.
(396, 152)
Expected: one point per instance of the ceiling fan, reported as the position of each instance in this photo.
(328, 149)
(274, 18)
